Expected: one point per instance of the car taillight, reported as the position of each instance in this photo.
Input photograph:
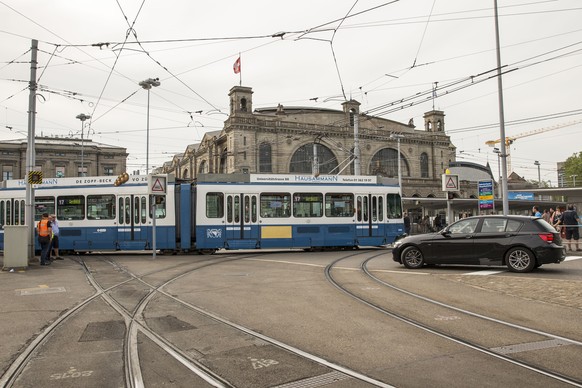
(547, 237)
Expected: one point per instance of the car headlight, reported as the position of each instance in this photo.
(397, 243)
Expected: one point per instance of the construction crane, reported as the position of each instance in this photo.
(510, 139)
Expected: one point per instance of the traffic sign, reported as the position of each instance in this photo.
(450, 182)
(35, 177)
(157, 184)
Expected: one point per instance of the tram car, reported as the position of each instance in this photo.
(217, 211)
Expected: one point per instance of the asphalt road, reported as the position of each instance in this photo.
(285, 295)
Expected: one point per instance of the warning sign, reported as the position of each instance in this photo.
(157, 184)
(450, 182)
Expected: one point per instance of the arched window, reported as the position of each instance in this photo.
(265, 158)
(385, 163)
(185, 174)
(243, 104)
(223, 159)
(302, 159)
(424, 165)
(202, 169)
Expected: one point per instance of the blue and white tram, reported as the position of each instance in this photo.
(218, 211)
(296, 211)
(93, 214)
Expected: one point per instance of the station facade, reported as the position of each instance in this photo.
(285, 139)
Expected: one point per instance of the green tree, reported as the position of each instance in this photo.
(573, 166)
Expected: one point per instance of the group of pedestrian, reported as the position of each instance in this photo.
(567, 222)
(48, 238)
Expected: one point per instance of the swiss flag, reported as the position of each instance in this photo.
(236, 66)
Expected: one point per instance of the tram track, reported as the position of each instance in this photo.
(421, 309)
(115, 278)
(341, 372)
(133, 378)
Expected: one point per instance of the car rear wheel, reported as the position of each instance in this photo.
(412, 258)
(520, 260)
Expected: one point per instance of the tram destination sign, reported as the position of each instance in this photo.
(297, 178)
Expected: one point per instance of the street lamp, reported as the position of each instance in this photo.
(83, 117)
(398, 137)
(148, 84)
(537, 163)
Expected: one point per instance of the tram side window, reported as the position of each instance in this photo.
(229, 208)
(275, 205)
(101, 207)
(381, 208)
(307, 205)
(215, 205)
(22, 210)
(127, 210)
(394, 205)
(17, 213)
(339, 205)
(362, 208)
(120, 219)
(144, 210)
(136, 211)
(1, 213)
(160, 207)
(43, 205)
(254, 209)
(8, 213)
(237, 209)
(71, 207)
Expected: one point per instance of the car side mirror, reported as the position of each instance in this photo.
(446, 232)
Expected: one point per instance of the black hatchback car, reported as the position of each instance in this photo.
(520, 242)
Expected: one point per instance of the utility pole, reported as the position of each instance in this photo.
(315, 164)
(30, 150)
(503, 154)
(357, 153)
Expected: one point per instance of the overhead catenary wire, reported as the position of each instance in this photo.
(343, 26)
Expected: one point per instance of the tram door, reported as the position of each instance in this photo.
(241, 216)
(133, 221)
(369, 215)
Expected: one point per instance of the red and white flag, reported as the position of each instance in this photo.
(236, 66)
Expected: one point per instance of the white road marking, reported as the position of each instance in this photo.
(483, 273)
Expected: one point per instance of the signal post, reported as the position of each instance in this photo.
(157, 189)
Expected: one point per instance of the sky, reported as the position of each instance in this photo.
(93, 54)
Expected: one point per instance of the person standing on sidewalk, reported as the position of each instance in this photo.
(44, 231)
(55, 239)
(406, 224)
(570, 221)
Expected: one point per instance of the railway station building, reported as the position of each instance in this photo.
(287, 139)
(308, 140)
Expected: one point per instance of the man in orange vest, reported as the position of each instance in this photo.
(44, 230)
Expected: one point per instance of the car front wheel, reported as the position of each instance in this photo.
(520, 260)
(412, 258)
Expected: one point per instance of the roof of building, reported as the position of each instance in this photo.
(471, 172)
(294, 110)
(63, 141)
